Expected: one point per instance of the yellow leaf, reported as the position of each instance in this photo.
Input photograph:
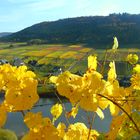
(53, 79)
(77, 131)
(112, 72)
(92, 62)
(135, 81)
(61, 129)
(32, 120)
(56, 111)
(132, 58)
(115, 127)
(73, 112)
(100, 113)
(114, 110)
(136, 69)
(116, 44)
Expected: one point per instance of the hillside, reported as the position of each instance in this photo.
(5, 34)
(93, 29)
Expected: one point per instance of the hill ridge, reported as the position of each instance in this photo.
(90, 29)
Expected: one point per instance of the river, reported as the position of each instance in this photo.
(16, 124)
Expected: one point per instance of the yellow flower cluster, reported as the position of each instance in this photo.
(90, 91)
(93, 93)
(20, 87)
(40, 128)
(43, 129)
(79, 131)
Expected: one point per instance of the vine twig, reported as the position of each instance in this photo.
(115, 103)
(23, 113)
(90, 123)
(65, 112)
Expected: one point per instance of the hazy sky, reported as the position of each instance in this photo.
(16, 15)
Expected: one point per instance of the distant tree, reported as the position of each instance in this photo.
(35, 42)
(11, 46)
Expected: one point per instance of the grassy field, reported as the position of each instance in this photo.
(68, 57)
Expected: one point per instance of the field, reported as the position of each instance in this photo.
(58, 55)
(50, 58)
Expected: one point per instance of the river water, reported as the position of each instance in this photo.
(16, 124)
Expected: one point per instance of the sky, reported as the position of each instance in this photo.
(16, 15)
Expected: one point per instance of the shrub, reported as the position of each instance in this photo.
(6, 134)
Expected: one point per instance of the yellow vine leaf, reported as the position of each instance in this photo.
(114, 110)
(136, 69)
(132, 58)
(135, 81)
(116, 44)
(53, 79)
(100, 113)
(56, 111)
(33, 121)
(77, 131)
(115, 127)
(22, 98)
(69, 85)
(73, 112)
(40, 128)
(92, 62)
(112, 72)
(61, 129)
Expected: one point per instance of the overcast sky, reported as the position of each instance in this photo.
(16, 15)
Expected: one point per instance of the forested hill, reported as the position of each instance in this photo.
(93, 29)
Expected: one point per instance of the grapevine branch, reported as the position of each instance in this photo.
(63, 107)
(138, 130)
(23, 113)
(90, 123)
